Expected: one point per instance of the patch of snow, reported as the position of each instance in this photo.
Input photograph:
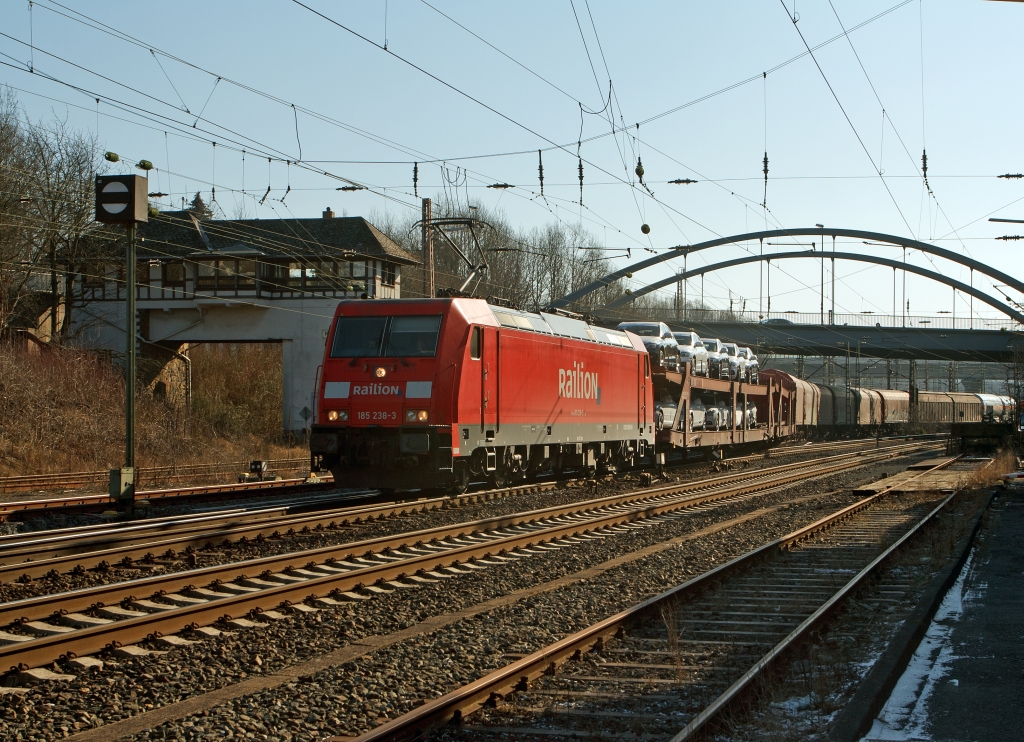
(904, 716)
(794, 704)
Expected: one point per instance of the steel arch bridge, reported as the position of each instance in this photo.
(822, 233)
(958, 285)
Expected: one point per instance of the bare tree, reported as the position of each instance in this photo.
(46, 197)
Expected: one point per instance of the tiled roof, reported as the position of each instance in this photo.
(175, 233)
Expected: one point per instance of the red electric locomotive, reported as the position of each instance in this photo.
(434, 393)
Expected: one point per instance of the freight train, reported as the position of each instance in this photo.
(841, 410)
(435, 393)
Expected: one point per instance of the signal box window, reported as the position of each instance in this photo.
(387, 274)
(174, 274)
(475, 343)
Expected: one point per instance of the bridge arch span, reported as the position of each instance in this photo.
(817, 255)
(894, 240)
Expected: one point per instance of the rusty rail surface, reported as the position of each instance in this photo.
(341, 569)
(101, 502)
(34, 555)
(72, 480)
(518, 675)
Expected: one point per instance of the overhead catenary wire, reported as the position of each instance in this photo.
(847, 117)
(126, 37)
(923, 170)
(476, 100)
(165, 120)
(84, 19)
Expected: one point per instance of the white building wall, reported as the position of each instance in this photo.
(300, 325)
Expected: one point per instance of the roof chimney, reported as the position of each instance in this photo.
(328, 214)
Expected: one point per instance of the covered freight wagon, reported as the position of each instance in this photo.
(803, 411)
(895, 406)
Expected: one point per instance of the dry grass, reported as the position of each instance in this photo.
(64, 411)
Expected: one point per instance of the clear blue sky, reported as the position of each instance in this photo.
(660, 55)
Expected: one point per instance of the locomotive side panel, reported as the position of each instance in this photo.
(553, 390)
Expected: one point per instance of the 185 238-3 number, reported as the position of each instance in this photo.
(382, 416)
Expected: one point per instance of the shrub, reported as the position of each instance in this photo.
(63, 410)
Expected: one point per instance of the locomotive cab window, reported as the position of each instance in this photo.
(358, 336)
(412, 336)
(475, 343)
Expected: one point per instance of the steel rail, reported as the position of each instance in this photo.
(43, 606)
(734, 690)
(74, 555)
(25, 482)
(79, 502)
(89, 546)
(419, 558)
(60, 555)
(517, 675)
(83, 500)
(11, 542)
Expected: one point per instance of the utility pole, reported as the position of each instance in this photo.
(679, 295)
(822, 294)
(912, 374)
(684, 288)
(428, 250)
(123, 200)
(53, 289)
(849, 399)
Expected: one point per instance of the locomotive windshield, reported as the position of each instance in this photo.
(413, 336)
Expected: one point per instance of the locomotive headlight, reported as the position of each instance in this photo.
(337, 415)
(380, 372)
(416, 416)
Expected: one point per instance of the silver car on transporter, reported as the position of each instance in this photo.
(737, 364)
(718, 363)
(691, 348)
(751, 366)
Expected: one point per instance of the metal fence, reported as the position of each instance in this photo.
(864, 319)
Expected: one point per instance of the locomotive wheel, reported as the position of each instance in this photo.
(499, 479)
(461, 481)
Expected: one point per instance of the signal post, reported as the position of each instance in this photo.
(123, 200)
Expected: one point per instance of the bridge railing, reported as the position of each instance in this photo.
(865, 319)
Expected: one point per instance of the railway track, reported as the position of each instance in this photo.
(36, 555)
(15, 510)
(33, 555)
(39, 630)
(76, 480)
(664, 668)
(84, 503)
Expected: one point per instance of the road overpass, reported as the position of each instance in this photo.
(916, 343)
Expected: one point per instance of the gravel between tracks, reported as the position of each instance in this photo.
(236, 552)
(358, 695)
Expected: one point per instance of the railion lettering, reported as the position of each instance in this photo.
(374, 390)
(577, 383)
